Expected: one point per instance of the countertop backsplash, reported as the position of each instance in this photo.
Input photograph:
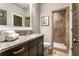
(24, 32)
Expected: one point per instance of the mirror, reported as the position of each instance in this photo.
(22, 20)
(15, 14)
(3, 18)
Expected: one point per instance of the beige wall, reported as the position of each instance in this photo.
(27, 12)
(36, 18)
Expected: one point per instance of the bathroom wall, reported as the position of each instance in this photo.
(46, 9)
(27, 12)
(36, 17)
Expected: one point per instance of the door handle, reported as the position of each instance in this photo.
(75, 40)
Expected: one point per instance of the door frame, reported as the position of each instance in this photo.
(67, 21)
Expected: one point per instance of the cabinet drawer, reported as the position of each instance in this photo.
(19, 50)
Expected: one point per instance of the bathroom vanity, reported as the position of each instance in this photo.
(31, 45)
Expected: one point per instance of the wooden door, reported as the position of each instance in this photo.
(61, 26)
(75, 30)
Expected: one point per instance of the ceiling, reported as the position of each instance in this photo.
(23, 5)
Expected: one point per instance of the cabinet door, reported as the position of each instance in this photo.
(33, 47)
(40, 46)
(40, 49)
(25, 53)
(6, 53)
(33, 51)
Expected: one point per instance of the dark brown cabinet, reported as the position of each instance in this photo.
(33, 51)
(33, 47)
(40, 49)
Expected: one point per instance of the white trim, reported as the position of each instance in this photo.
(13, 28)
(31, 15)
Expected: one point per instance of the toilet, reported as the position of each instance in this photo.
(47, 46)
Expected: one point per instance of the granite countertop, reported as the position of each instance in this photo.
(4, 46)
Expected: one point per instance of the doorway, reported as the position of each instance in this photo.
(60, 30)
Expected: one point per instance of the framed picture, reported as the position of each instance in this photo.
(45, 20)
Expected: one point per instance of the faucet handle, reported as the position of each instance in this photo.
(28, 32)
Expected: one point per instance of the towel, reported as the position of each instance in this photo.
(8, 32)
(10, 35)
(2, 38)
